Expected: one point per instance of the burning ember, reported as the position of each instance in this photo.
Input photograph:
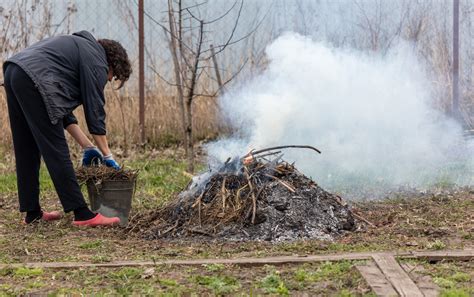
(256, 197)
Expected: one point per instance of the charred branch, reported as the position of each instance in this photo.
(254, 154)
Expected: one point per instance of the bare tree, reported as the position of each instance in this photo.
(27, 21)
(194, 52)
(377, 26)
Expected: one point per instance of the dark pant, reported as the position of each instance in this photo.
(34, 136)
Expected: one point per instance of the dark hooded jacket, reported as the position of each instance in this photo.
(68, 70)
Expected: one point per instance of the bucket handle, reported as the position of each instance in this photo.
(97, 186)
(134, 188)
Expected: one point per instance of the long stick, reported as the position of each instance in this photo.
(254, 203)
(358, 216)
(283, 183)
(224, 194)
(282, 147)
(254, 198)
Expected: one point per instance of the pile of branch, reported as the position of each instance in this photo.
(237, 197)
(233, 198)
(98, 174)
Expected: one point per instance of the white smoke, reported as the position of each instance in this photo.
(369, 115)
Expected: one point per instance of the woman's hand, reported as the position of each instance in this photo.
(92, 156)
(110, 162)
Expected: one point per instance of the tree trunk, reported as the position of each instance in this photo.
(189, 136)
(216, 69)
(189, 101)
(177, 72)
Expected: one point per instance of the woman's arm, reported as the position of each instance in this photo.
(101, 141)
(91, 155)
(102, 144)
(79, 136)
(84, 142)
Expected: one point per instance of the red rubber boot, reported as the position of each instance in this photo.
(51, 216)
(98, 220)
(48, 216)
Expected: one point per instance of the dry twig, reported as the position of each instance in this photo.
(98, 174)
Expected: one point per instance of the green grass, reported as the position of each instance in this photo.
(6, 271)
(101, 258)
(436, 245)
(450, 281)
(8, 181)
(35, 285)
(460, 277)
(167, 282)
(24, 272)
(328, 270)
(218, 284)
(159, 180)
(454, 279)
(214, 267)
(126, 274)
(444, 282)
(92, 245)
(273, 284)
(7, 290)
(454, 293)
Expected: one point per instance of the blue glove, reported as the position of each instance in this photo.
(92, 156)
(110, 162)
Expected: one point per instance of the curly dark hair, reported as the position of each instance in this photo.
(117, 59)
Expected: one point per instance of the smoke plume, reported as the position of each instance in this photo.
(369, 114)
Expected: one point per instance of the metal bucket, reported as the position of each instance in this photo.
(112, 198)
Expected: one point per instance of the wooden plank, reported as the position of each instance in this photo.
(399, 279)
(422, 281)
(440, 255)
(236, 261)
(376, 280)
(453, 255)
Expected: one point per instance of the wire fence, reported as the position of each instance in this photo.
(368, 25)
(24, 22)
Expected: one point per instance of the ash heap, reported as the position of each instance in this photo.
(256, 197)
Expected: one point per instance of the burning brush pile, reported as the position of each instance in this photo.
(257, 197)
